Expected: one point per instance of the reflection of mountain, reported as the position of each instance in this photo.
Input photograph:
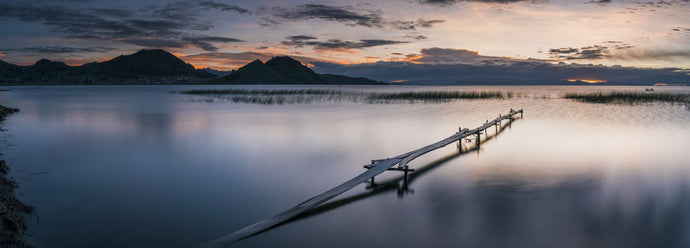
(160, 67)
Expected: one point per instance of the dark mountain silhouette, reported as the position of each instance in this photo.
(216, 72)
(6, 67)
(154, 62)
(345, 80)
(143, 67)
(48, 65)
(294, 71)
(278, 70)
(284, 70)
(160, 67)
(255, 72)
(8, 70)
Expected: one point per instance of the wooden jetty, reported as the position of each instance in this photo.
(376, 167)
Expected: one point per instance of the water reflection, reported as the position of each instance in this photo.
(140, 167)
(401, 184)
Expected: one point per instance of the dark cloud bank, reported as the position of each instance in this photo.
(347, 15)
(169, 25)
(433, 66)
(334, 44)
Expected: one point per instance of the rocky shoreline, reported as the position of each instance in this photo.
(12, 210)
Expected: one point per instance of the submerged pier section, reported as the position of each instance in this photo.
(376, 167)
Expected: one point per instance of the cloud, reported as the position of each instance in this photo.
(204, 42)
(416, 37)
(413, 25)
(153, 26)
(516, 72)
(119, 13)
(335, 44)
(155, 43)
(191, 10)
(61, 49)
(651, 54)
(600, 2)
(436, 65)
(300, 37)
(347, 15)
(437, 55)
(450, 2)
(588, 52)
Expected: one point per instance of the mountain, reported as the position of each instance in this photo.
(345, 80)
(154, 66)
(216, 72)
(155, 62)
(278, 70)
(48, 65)
(255, 72)
(7, 68)
(294, 71)
(157, 66)
(285, 70)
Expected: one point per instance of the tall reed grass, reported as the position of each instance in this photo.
(315, 95)
(629, 97)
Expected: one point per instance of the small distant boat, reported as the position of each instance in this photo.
(649, 89)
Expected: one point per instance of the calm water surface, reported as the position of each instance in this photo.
(137, 166)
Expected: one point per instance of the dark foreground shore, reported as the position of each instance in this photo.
(12, 211)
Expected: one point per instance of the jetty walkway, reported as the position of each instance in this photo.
(376, 167)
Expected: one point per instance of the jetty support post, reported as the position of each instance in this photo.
(460, 140)
(405, 176)
(479, 138)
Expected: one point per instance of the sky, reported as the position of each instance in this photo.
(225, 35)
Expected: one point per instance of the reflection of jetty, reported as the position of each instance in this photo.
(376, 167)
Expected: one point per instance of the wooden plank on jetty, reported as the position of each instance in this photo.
(377, 166)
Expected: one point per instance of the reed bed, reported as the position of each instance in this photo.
(261, 92)
(314, 95)
(630, 97)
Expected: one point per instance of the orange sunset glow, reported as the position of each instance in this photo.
(589, 81)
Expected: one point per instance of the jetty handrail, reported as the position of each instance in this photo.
(376, 167)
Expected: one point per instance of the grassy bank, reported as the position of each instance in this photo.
(12, 210)
(314, 95)
(629, 97)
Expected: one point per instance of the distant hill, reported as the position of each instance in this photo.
(9, 70)
(284, 70)
(143, 67)
(294, 71)
(154, 62)
(255, 72)
(279, 70)
(157, 66)
(216, 72)
(48, 65)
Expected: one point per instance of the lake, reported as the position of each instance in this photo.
(139, 166)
